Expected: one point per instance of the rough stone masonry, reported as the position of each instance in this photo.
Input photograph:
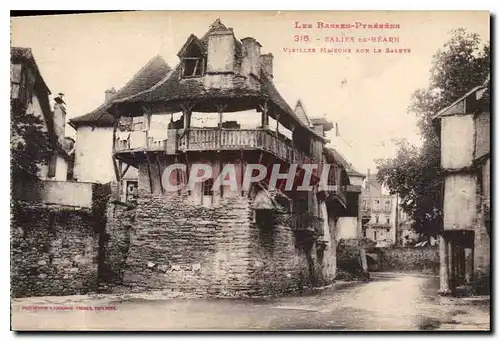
(179, 246)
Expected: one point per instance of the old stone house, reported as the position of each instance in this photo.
(464, 130)
(218, 239)
(31, 95)
(94, 132)
(55, 228)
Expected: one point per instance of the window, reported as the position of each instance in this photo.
(207, 198)
(192, 67)
(387, 220)
(131, 191)
(207, 187)
(376, 219)
(387, 206)
(376, 205)
(363, 204)
(375, 235)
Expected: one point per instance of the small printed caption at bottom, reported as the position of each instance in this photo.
(68, 308)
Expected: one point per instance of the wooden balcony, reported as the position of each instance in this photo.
(134, 141)
(201, 139)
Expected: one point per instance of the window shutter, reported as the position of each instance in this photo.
(15, 80)
(52, 166)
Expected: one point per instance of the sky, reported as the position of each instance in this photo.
(367, 95)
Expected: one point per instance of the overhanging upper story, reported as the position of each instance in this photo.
(464, 130)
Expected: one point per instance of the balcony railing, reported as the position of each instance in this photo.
(200, 139)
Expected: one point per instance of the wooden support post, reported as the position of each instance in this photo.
(277, 123)
(259, 162)
(125, 170)
(292, 129)
(265, 109)
(159, 173)
(187, 174)
(444, 286)
(220, 110)
(149, 173)
(187, 109)
(469, 265)
(243, 168)
(146, 125)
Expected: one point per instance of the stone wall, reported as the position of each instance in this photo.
(277, 264)
(407, 259)
(182, 246)
(53, 251)
(119, 221)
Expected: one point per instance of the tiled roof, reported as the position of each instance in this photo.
(150, 74)
(172, 88)
(25, 54)
(485, 87)
(343, 161)
(301, 113)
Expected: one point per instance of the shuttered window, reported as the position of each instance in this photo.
(52, 166)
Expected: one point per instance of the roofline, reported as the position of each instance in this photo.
(31, 59)
(442, 112)
(159, 83)
(107, 105)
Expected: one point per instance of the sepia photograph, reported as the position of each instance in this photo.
(250, 171)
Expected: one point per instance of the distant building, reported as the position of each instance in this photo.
(405, 234)
(379, 212)
(464, 130)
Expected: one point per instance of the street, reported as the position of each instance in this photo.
(389, 302)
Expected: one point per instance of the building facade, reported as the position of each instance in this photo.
(31, 95)
(214, 238)
(464, 130)
(94, 131)
(379, 211)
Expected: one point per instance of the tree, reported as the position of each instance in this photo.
(414, 173)
(30, 145)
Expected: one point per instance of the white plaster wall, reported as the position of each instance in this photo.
(347, 227)
(459, 201)
(457, 141)
(326, 227)
(93, 155)
(67, 193)
(61, 169)
(220, 53)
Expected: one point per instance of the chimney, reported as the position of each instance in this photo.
(220, 59)
(220, 56)
(251, 57)
(266, 61)
(108, 94)
(59, 115)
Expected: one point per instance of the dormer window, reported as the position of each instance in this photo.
(193, 58)
(192, 67)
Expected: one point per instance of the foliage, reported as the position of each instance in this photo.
(349, 264)
(29, 144)
(460, 65)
